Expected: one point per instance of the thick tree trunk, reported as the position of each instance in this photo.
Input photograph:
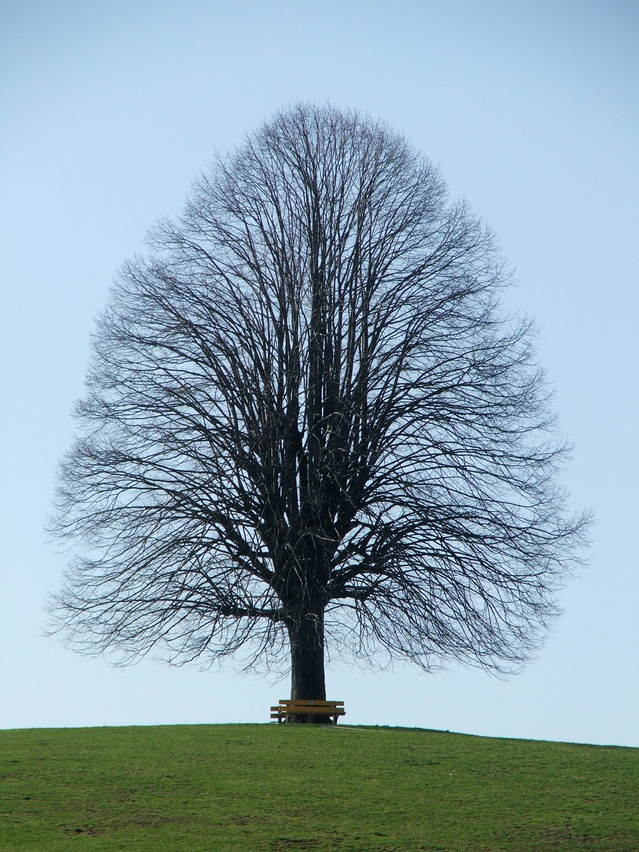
(307, 662)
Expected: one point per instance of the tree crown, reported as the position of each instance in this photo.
(307, 406)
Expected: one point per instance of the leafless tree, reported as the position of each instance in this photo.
(309, 424)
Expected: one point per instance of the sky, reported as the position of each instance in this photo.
(530, 108)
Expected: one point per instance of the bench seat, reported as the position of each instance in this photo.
(307, 707)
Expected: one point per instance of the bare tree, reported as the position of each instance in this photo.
(309, 424)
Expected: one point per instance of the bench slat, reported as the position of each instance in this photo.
(309, 711)
(306, 711)
(310, 707)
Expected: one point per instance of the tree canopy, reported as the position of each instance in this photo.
(309, 424)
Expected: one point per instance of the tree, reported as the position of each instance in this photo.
(309, 421)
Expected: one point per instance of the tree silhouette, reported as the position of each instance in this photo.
(308, 424)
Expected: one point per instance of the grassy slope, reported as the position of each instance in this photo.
(269, 787)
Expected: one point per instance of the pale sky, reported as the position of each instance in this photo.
(108, 111)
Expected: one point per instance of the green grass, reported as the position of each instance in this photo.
(269, 787)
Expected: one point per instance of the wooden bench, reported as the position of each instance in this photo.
(307, 707)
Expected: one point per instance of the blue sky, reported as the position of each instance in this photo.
(531, 111)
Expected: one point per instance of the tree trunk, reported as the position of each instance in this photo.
(307, 662)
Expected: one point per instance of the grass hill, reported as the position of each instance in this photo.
(204, 788)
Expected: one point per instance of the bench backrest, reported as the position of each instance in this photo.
(307, 706)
